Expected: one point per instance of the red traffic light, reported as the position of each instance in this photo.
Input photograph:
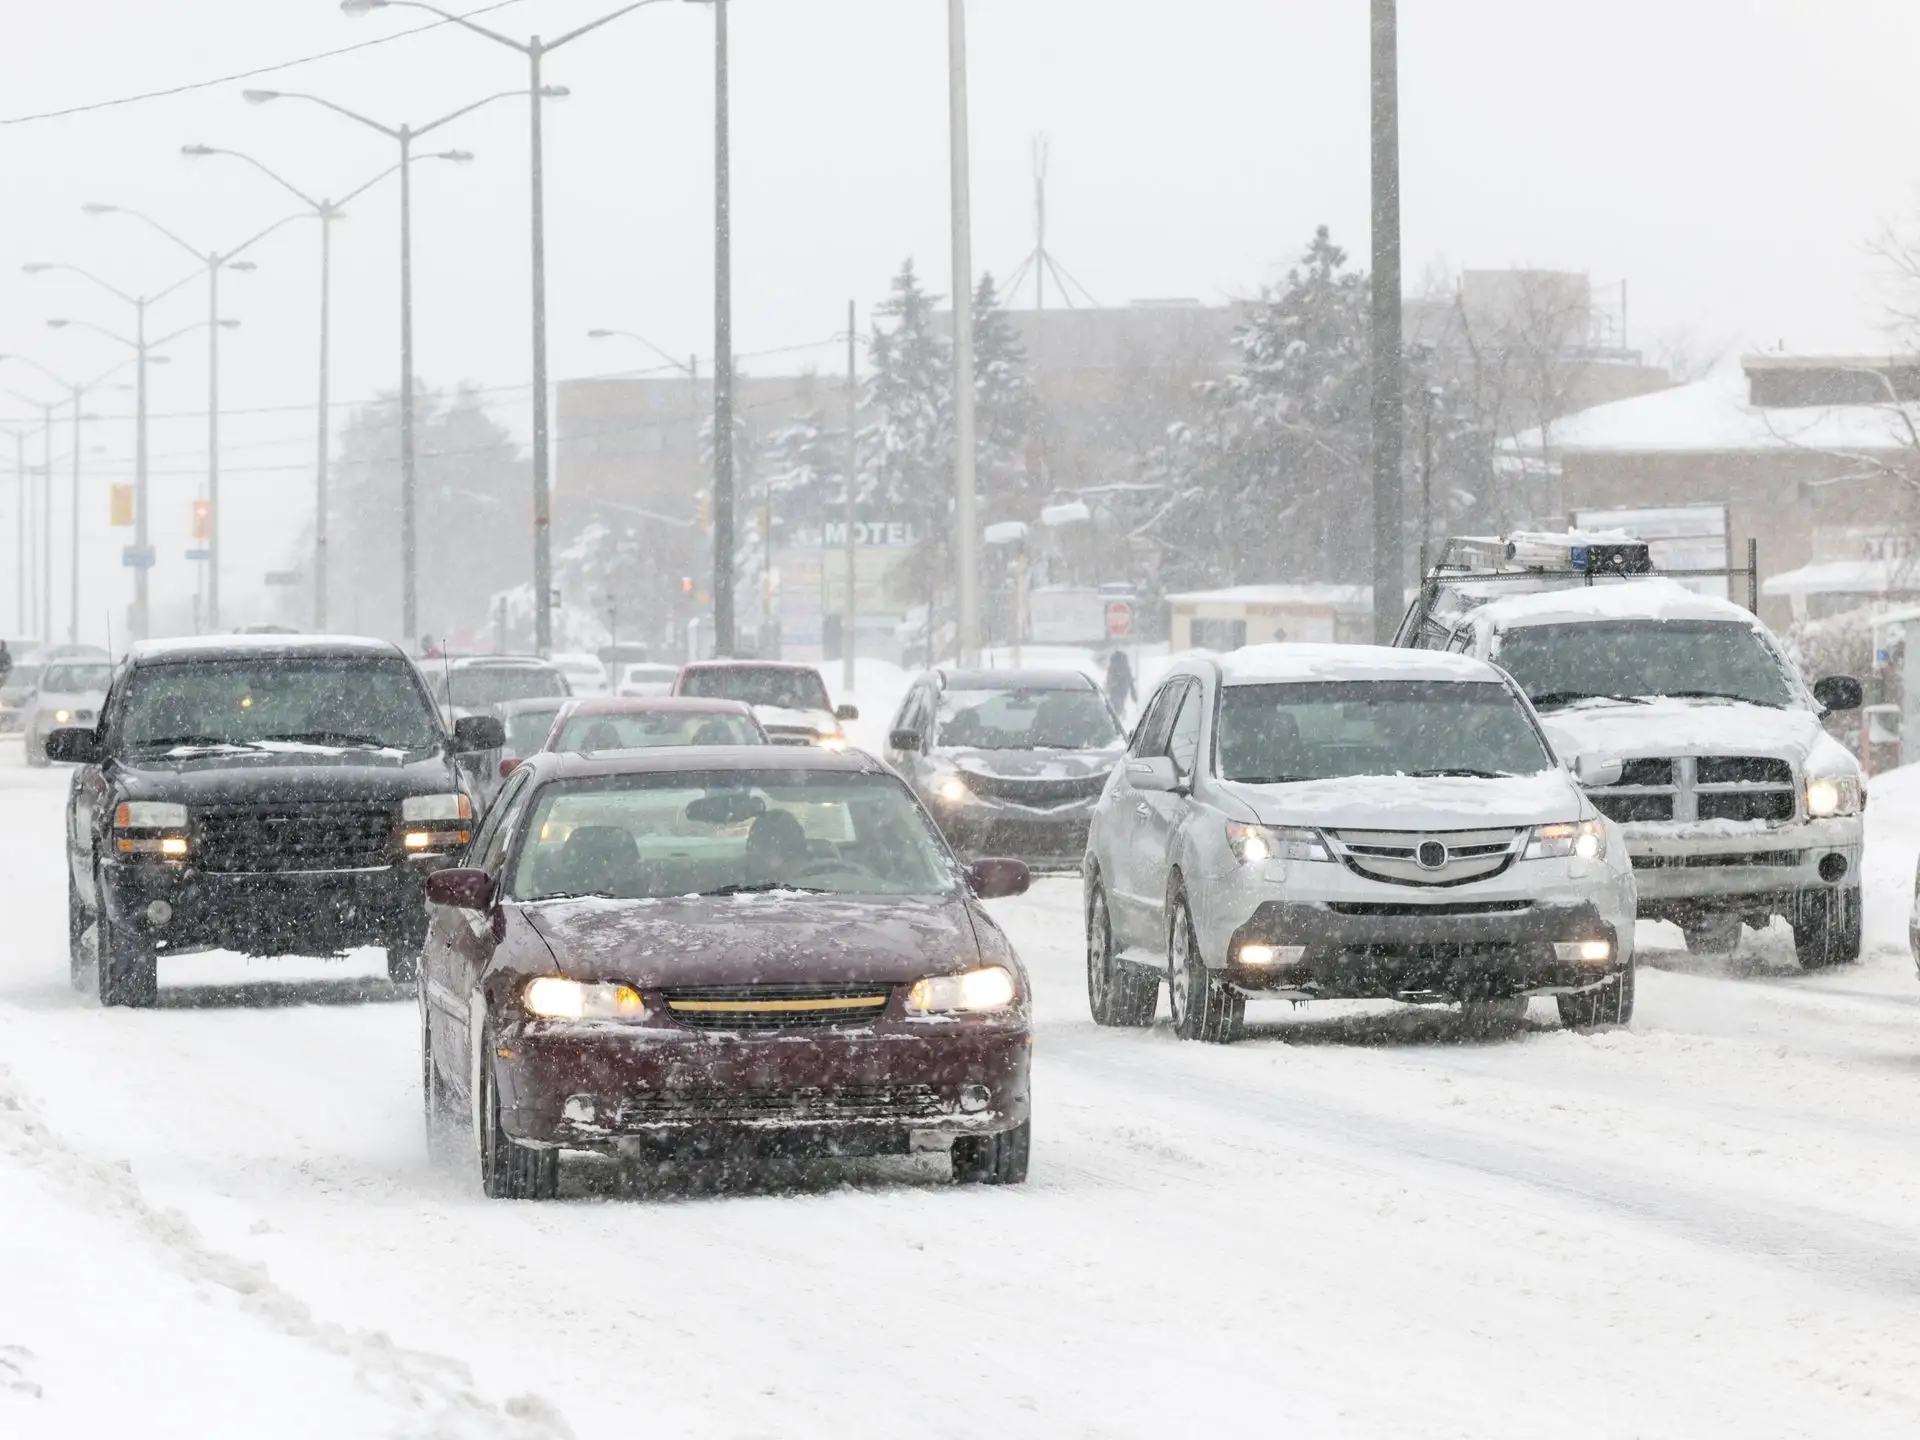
(686, 584)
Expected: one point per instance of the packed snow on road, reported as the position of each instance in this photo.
(219, 1218)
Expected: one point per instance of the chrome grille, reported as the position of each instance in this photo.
(777, 1007)
(1033, 790)
(1705, 787)
(1441, 857)
(266, 840)
(779, 1107)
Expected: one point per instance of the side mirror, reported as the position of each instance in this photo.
(462, 889)
(473, 733)
(909, 740)
(1597, 771)
(847, 712)
(507, 767)
(1839, 692)
(75, 746)
(1155, 774)
(998, 879)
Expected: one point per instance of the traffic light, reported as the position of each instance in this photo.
(703, 510)
(686, 584)
(202, 519)
(120, 505)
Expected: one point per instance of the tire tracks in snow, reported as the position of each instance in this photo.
(434, 1395)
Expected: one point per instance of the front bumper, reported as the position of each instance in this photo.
(1678, 864)
(1053, 839)
(891, 1089)
(176, 908)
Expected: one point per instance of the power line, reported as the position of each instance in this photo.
(193, 85)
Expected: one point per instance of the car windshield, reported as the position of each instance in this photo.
(1708, 659)
(777, 686)
(1027, 720)
(527, 730)
(647, 729)
(292, 698)
(20, 680)
(76, 679)
(1327, 730)
(480, 687)
(640, 837)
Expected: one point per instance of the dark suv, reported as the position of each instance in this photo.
(267, 794)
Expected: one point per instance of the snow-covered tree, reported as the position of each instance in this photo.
(1005, 407)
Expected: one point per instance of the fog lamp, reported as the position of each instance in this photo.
(159, 913)
(1586, 952)
(1261, 957)
(975, 1098)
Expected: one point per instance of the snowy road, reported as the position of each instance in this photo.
(215, 1217)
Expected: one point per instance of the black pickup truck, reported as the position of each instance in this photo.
(269, 794)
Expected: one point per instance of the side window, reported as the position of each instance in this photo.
(490, 825)
(512, 811)
(1183, 741)
(1150, 735)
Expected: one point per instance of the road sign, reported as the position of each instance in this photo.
(285, 577)
(120, 505)
(1119, 619)
(135, 558)
(199, 553)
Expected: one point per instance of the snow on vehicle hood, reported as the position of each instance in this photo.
(1031, 764)
(1403, 802)
(1663, 727)
(819, 722)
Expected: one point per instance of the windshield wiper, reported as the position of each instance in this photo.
(1554, 699)
(762, 888)
(336, 737)
(191, 742)
(1720, 695)
(1463, 771)
(1271, 779)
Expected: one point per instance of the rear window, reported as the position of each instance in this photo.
(76, 679)
(758, 685)
(647, 730)
(479, 687)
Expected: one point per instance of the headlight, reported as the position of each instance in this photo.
(150, 815)
(1252, 844)
(63, 717)
(1829, 795)
(953, 790)
(1583, 839)
(970, 994)
(435, 807)
(552, 998)
(830, 740)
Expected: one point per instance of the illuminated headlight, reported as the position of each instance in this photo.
(1583, 840)
(1829, 795)
(953, 790)
(63, 717)
(1260, 957)
(150, 815)
(1253, 844)
(973, 993)
(552, 998)
(1584, 952)
(417, 808)
(830, 740)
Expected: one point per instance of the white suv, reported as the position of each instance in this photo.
(1346, 822)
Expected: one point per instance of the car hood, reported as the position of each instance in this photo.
(1031, 764)
(758, 939)
(1400, 802)
(777, 717)
(1665, 727)
(287, 774)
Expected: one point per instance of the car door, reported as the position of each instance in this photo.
(1130, 910)
(1158, 813)
(88, 794)
(908, 763)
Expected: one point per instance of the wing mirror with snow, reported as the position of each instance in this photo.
(1597, 771)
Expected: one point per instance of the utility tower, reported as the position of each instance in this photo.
(1040, 261)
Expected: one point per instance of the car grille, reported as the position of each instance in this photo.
(786, 1107)
(1445, 857)
(1784, 859)
(792, 734)
(777, 1007)
(1484, 907)
(256, 840)
(1706, 787)
(1030, 790)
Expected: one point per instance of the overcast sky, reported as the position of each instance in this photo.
(1730, 159)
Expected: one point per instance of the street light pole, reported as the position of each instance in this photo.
(723, 466)
(1389, 576)
(966, 557)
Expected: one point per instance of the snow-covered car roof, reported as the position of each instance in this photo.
(200, 647)
(1280, 663)
(1652, 598)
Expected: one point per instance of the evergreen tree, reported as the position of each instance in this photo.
(907, 445)
(1005, 408)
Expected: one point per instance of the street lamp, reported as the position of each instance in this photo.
(965, 540)
(535, 49)
(40, 583)
(215, 261)
(142, 349)
(327, 211)
(405, 135)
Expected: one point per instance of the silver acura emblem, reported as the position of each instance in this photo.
(1431, 855)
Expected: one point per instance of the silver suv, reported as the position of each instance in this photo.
(1347, 822)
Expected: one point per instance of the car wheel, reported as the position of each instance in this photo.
(403, 963)
(126, 967)
(36, 748)
(1827, 931)
(1493, 1017)
(1713, 935)
(993, 1159)
(1610, 1004)
(1117, 993)
(1203, 1008)
(435, 1104)
(508, 1169)
(77, 922)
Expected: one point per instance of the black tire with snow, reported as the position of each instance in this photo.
(1610, 1004)
(993, 1159)
(436, 1105)
(508, 1169)
(1204, 1008)
(1713, 935)
(78, 961)
(127, 968)
(1826, 929)
(1117, 993)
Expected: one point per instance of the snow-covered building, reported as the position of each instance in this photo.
(1240, 615)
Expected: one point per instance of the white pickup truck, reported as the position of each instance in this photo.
(1736, 804)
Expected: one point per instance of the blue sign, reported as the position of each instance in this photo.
(134, 557)
(200, 554)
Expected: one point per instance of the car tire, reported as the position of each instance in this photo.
(78, 961)
(435, 1104)
(1493, 1017)
(993, 1159)
(1713, 935)
(1204, 1008)
(1117, 993)
(403, 964)
(127, 969)
(508, 1169)
(1610, 1004)
(1826, 932)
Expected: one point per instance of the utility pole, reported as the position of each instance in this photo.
(409, 492)
(1389, 579)
(966, 546)
(542, 487)
(849, 620)
(73, 562)
(1426, 474)
(326, 422)
(723, 620)
(46, 523)
(20, 527)
(212, 542)
(141, 613)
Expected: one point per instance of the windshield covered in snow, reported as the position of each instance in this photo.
(293, 699)
(479, 687)
(1027, 720)
(1273, 734)
(639, 837)
(777, 686)
(1560, 665)
(76, 679)
(648, 729)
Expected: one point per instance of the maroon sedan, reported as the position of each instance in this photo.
(643, 723)
(690, 948)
